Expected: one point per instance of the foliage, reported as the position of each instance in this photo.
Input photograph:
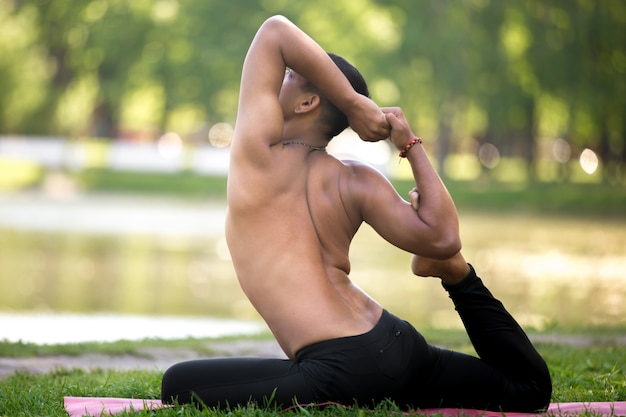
(513, 74)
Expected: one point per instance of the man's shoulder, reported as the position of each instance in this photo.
(359, 168)
(359, 179)
(354, 164)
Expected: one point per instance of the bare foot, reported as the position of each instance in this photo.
(451, 271)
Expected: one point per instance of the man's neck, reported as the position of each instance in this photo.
(310, 138)
(306, 145)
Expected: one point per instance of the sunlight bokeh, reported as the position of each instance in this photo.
(221, 135)
(18, 173)
(170, 145)
(589, 161)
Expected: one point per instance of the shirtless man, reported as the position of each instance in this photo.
(292, 213)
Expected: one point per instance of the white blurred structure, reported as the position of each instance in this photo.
(168, 154)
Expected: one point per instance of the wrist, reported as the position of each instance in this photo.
(401, 140)
(351, 104)
(410, 144)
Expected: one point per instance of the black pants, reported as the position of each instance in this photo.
(392, 361)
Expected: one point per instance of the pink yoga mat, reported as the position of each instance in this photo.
(97, 406)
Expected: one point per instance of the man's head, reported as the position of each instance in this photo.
(335, 119)
(332, 120)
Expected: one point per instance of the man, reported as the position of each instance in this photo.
(292, 213)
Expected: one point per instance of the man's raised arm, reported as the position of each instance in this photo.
(279, 44)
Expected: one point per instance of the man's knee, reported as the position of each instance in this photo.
(172, 388)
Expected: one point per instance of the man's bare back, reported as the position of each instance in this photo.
(293, 210)
(298, 280)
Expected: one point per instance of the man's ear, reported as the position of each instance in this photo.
(308, 103)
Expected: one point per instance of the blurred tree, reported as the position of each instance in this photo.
(504, 57)
(443, 65)
(505, 73)
(57, 38)
(197, 58)
(580, 58)
(23, 72)
(117, 33)
(511, 106)
(78, 40)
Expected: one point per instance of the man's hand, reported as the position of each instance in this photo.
(368, 120)
(401, 132)
(414, 198)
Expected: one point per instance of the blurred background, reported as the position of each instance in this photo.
(116, 119)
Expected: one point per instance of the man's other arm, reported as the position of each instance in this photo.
(433, 229)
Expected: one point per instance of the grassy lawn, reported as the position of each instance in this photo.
(577, 199)
(592, 372)
(572, 199)
(182, 184)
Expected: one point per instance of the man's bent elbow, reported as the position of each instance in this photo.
(447, 248)
(276, 22)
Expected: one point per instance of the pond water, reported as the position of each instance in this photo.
(164, 258)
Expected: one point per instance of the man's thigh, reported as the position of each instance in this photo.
(236, 381)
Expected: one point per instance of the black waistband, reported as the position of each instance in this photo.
(387, 324)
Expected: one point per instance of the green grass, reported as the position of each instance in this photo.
(594, 373)
(571, 199)
(580, 373)
(576, 199)
(184, 184)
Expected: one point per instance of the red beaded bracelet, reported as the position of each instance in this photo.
(409, 145)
